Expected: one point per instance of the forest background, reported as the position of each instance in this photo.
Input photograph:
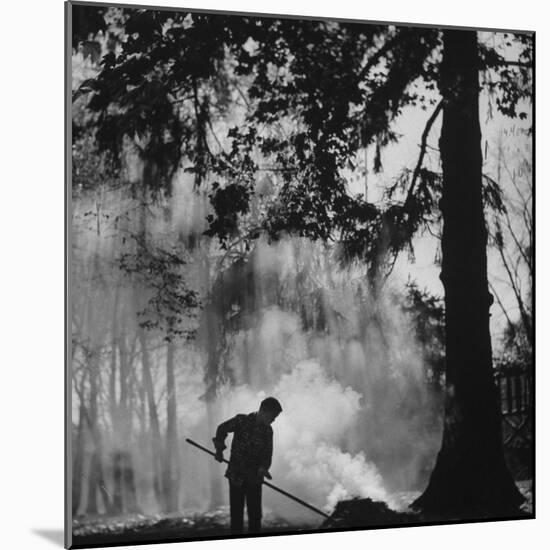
(43, 311)
(269, 259)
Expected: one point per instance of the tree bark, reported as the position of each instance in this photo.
(470, 478)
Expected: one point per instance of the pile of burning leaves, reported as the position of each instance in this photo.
(364, 512)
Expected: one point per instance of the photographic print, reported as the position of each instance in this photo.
(300, 274)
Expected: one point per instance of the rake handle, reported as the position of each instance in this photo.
(270, 485)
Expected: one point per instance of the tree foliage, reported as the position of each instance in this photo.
(172, 302)
(316, 92)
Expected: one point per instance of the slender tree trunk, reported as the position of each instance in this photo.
(91, 508)
(216, 492)
(129, 496)
(156, 440)
(78, 458)
(157, 451)
(96, 478)
(172, 463)
(210, 336)
(117, 482)
(470, 478)
(212, 368)
(115, 410)
(246, 354)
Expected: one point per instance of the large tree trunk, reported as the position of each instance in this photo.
(470, 478)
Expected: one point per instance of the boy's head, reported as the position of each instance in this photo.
(270, 409)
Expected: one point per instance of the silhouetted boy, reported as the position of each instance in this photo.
(251, 452)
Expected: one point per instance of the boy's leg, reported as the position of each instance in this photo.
(254, 507)
(236, 507)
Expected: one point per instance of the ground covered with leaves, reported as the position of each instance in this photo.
(354, 513)
(140, 528)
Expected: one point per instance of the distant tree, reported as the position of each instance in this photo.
(511, 234)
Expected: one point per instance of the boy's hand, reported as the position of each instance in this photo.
(262, 472)
(219, 456)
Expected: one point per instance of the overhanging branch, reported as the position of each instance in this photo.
(423, 147)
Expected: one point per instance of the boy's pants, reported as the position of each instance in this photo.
(252, 493)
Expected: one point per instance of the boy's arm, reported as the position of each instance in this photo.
(221, 433)
(266, 458)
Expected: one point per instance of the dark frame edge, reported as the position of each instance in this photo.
(67, 199)
(299, 16)
(533, 282)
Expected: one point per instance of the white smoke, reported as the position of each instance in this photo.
(349, 428)
(308, 460)
(318, 414)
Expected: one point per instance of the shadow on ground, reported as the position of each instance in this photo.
(57, 536)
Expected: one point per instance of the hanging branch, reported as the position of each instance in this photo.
(423, 146)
